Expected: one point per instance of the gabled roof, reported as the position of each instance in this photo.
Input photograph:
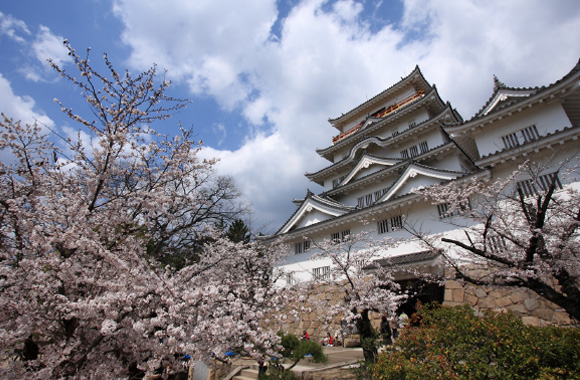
(429, 98)
(412, 171)
(447, 116)
(366, 161)
(408, 258)
(504, 97)
(415, 77)
(321, 203)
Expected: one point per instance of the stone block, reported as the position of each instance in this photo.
(458, 295)
(471, 299)
(480, 292)
(562, 318)
(503, 301)
(545, 314)
(487, 303)
(452, 284)
(532, 321)
(518, 309)
(517, 296)
(531, 304)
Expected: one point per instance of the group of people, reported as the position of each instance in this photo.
(327, 341)
(390, 330)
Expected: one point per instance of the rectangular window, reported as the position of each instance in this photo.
(321, 273)
(378, 195)
(530, 187)
(405, 154)
(423, 147)
(496, 244)
(337, 181)
(368, 199)
(443, 209)
(414, 151)
(396, 222)
(382, 226)
(290, 279)
(521, 137)
(302, 246)
(361, 202)
(337, 237)
(388, 225)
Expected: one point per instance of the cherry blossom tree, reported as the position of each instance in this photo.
(526, 232)
(83, 223)
(368, 286)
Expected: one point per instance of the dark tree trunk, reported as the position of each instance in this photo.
(367, 337)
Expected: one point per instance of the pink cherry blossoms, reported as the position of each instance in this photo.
(83, 223)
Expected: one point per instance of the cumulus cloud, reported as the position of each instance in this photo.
(20, 107)
(42, 45)
(13, 28)
(326, 59)
(48, 45)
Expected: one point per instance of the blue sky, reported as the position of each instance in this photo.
(264, 76)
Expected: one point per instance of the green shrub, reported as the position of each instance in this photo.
(452, 343)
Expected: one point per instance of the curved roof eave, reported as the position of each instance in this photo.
(318, 202)
(447, 112)
(430, 96)
(534, 93)
(416, 74)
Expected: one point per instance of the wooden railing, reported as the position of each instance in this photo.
(383, 113)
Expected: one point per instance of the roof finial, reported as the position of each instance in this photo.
(497, 84)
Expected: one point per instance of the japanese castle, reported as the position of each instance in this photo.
(407, 138)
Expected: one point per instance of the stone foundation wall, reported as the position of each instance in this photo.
(524, 303)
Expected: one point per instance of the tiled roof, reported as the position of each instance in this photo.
(500, 86)
(409, 258)
(416, 70)
(362, 131)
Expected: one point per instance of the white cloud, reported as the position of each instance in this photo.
(13, 27)
(20, 107)
(48, 45)
(328, 61)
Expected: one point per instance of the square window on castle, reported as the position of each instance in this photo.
(321, 273)
(337, 237)
(496, 244)
(530, 188)
(388, 225)
(423, 147)
(521, 137)
(302, 246)
(443, 209)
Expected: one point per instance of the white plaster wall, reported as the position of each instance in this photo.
(547, 118)
(312, 217)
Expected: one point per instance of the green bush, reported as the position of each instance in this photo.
(452, 343)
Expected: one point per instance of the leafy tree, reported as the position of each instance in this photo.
(294, 350)
(82, 294)
(453, 343)
(527, 233)
(238, 232)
